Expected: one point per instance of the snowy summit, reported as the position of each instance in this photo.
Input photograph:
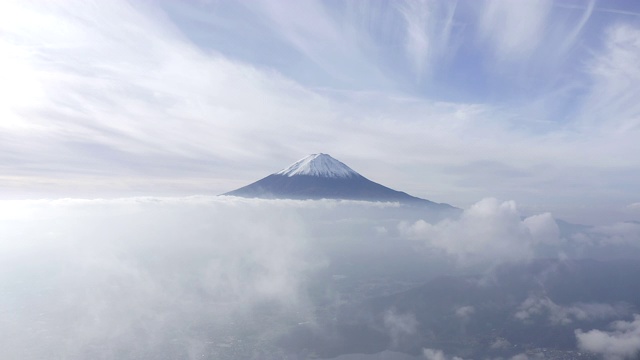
(321, 165)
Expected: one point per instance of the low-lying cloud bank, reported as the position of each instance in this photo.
(184, 277)
(136, 277)
(489, 231)
(88, 277)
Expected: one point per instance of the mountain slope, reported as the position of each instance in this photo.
(320, 176)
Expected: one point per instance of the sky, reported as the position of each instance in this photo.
(530, 101)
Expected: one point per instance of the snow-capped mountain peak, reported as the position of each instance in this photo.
(320, 165)
(319, 176)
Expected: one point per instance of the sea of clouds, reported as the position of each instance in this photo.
(138, 277)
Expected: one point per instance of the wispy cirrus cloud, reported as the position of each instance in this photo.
(429, 26)
(340, 51)
(514, 30)
(130, 98)
(611, 105)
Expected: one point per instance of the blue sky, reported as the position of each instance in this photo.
(532, 101)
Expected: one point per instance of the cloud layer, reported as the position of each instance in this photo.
(132, 277)
(142, 276)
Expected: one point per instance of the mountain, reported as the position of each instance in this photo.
(320, 176)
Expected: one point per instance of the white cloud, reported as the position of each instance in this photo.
(399, 325)
(523, 356)
(123, 92)
(123, 95)
(488, 231)
(328, 41)
(464, 312)
(610, 107)
(542, 306)
(616, 234)
(130, 276)
(543, 228)
(514, 30)
(139, 268)
(114, 98)
(429, 27)
(435, 354)
(500, 343)
(621, 342)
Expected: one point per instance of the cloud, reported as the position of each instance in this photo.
(429, 27)
(500, 343)
(616, 234)
(542, 306)
(488, 231)
(137, 276)
(514, 30)
(329, 42)
(543, 228)
(122, 92)
(121, 98)
(609, 106)
(133, 277)
(191, 275)
(622, 341)
(532, 35)
(464, 312)
(523, 356)
(435, 354)
(399, 325)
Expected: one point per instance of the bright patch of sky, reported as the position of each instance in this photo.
(535, 101)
